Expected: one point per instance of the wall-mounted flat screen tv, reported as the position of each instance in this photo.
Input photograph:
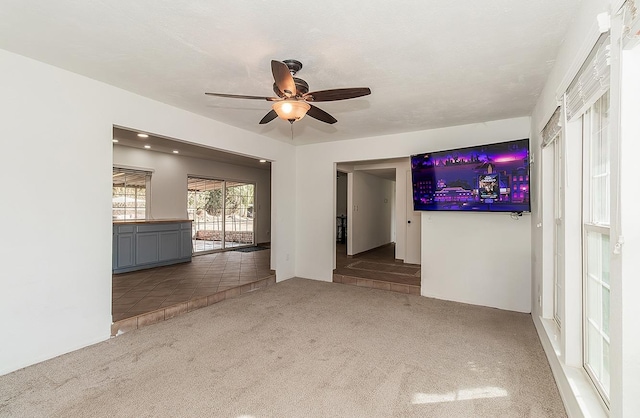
(484, 178)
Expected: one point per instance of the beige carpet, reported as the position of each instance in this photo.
(302, 348)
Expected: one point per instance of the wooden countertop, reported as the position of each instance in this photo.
(149, 221)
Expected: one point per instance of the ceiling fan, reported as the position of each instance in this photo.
(293, 96)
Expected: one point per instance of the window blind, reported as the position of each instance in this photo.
(631, 16)
(130, 177)
(592, 81)
(551, 129)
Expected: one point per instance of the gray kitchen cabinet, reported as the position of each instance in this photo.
(139, 245)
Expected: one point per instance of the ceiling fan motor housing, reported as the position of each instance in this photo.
(302, 87)
(293, 65)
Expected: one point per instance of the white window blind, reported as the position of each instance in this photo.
(592, 80)
(551, 129)
(130, 177)
(631, 16)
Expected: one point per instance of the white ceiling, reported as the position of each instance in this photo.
(128, 138)
(428, 63)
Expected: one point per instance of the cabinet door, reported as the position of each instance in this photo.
(169, 245)
(147, 248)
(186, 245)
(124, 251)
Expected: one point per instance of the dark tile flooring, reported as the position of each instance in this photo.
(144, 291)
(377, 268)
(147, 290)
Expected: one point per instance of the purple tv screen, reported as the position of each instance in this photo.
(484, 178)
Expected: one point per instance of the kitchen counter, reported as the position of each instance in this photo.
(149, 221)
(141, 244)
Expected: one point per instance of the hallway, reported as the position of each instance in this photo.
(377, 269)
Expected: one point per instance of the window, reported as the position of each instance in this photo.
(129, 196)
(596, 250)
(558, 235)
(587, 102)
(222, 213)
(552, 138)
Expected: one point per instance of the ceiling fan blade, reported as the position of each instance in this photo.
(269, 117)
(241, 96)
(283, 78)
(336, 94)
(321, 115)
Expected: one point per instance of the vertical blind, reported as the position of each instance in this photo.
(592, 81)
(551, 129)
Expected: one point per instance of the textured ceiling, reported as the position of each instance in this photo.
(128, 138)
(428, 63)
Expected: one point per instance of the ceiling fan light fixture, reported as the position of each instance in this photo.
(291, 110)
(293, 95)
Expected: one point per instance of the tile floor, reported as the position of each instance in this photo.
(392, 275)
(144, 291)
(211, 277)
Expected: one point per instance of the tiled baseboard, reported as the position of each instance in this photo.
(159, 315)
(377, 284)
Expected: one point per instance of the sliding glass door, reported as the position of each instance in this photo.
(238, 212)
(222, 213)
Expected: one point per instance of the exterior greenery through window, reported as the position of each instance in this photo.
(129, 196)
(222, 213)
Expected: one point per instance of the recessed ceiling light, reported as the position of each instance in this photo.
(175, 151)
(114, 140)
(263, 161)
(143, 135)
(147, 146)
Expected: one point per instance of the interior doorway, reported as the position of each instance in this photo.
(371, 209)
(414, 226)
(381, 226)
(229, 198)
(342, 180)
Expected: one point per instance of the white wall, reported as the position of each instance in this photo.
(372, 208)
(315, 174)
(169, 183)
(477, 258)
(56, 136)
